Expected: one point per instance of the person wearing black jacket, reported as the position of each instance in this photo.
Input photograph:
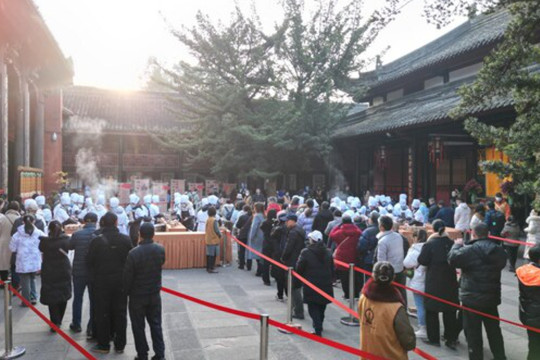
(367, 243)
(315, 263)
(529, 299)
(481, 264)
(440, 281)
(296, 238)
(106, 260)
(80, 242)
(243, 225)
(55, 272)
(323, 217)
(278, 239)
(142, 283)
(266, 228)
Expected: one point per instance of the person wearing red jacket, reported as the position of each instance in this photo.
(346, 236)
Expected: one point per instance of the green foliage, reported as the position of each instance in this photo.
(252, 104)
(512, 71)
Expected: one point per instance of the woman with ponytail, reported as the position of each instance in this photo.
(56, 272)
(441, 281)
(25, 242)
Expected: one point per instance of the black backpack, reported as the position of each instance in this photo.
(496, 224)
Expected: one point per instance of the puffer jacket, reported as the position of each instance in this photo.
(56, 270)
(418, 282)
(80, 242)
(27, 249)
(346, 238)
(316, 265)
(511, 230)
(529, 294)
(367, 245)
(533, 228)
(142, 272)
(462, 217)
(306, 222)
(296, 241)
(481, 263)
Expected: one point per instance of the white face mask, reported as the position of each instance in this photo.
(498, 199)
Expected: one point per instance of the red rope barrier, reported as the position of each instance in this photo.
(72, 342)
(276, 324)
(446, 301)
(301, 278)
(512, 241)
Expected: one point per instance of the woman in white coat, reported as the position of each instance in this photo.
(533, 231)
(418, 280)
(25, 242)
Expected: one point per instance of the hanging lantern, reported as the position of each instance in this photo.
(436, 151)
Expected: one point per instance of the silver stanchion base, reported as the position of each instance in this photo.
(350, 321)
(16, 352)
(296, 326)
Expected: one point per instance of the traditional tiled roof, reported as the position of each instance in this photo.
(483, 30)
(420, 108)
(134, 111)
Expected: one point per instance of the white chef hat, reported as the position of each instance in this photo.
(100, 199)
(40, 200)
(74, 197)
(134, 199)
(30, 204)
(147, 199)
(155, 198)
(213, 200)
(88, 201)
(415, 204)
(372, 202)
(65, 199)
(350, 199)
(114, 202)
(204, 201)
(183, 199)
(80, 199)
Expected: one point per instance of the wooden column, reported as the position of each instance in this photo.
(4, 175)
(26, 120)
(38, 132)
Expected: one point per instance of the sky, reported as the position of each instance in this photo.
(110, 41)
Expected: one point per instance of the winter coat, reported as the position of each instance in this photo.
(305, 221)
(511, 231)
(446, 214)
(80, 242)
(27, 249)
(266, 228)
(321, 220)
(316, 265)
(243, 225)
(533, 229)
(418, 282)
(391, 248)
(367, 245)
(346, 238)
(55, 270)
(433, 210)
(296, 238)
(475, 220)
(495, 221)
(5, 238)
(440, 280)
(276, 245)
(529, 294)
(142, 272)
(13, 217)
(107, 256)
(256, 236)
(40, 224)
(481, 263)
(462, 217)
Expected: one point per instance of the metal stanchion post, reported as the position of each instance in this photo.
(351, 320)
(263, 353)
(289, 303)
(224, 252)
(11, 352)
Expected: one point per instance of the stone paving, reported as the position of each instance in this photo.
(194, 332)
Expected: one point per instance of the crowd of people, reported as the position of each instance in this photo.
(115, 259)
(308, 236)
(117, 276)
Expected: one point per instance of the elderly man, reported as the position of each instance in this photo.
(296, 238)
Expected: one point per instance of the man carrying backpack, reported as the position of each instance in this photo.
(494, 220)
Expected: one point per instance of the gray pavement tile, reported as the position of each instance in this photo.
(183, 339)
(177, 320)
(238, 353)
(189, 355)
(223, 332)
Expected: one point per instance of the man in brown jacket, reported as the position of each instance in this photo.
(212, 238)
(384, 326)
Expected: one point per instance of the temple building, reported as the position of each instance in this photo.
(32, 72)
(405, 141)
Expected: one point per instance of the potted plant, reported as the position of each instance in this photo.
(473, 189)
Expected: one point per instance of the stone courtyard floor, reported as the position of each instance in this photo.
(194, 332)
